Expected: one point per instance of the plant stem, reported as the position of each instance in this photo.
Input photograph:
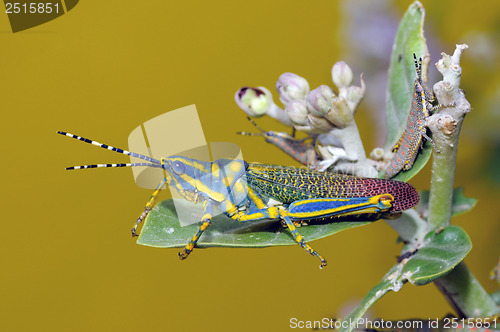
(465, 294)
(443, 175)
(460, 287)
(445, 126)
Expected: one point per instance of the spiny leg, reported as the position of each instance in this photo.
(272, 212)
(433, 109)
(317, 208)
(262, 211)
(206, 221)
(300, 241)
(311, 153)
(424, 135)
(149, 206)
(440, 106)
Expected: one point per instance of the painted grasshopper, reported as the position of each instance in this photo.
(252, 192)
(411, 141)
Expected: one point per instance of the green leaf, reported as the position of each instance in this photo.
(162, 229)
(439, 253)
(460, 203)
(409, 39)
(401, 76)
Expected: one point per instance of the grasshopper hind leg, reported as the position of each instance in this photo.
(300, 241)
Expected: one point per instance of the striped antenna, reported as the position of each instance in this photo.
(263, 132)
(153, 162)
(114, 165)
(418, 66)
(255, 124)
(249, 134)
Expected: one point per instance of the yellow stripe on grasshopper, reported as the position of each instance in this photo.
(424, 106)
(215, 170)
(256, 199)
(198, 184)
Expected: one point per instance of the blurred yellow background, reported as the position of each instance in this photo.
(68, 260)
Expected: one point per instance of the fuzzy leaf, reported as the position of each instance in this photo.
(162, 229)
(401, 76)
(460, 203)
(409, 39)
(438, 255)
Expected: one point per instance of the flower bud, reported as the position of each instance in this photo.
(305, 129)
(342, 75)
(354, 94)
(319, 100)
(254, 101)
(340, 115)
(321, 124)
(292, 87)
(377, 154)
(297, 111)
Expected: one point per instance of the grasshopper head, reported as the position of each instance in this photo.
(418, 87)
(423, 92)
(181, 175)
(190, 177)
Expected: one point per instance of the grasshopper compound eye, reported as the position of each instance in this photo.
(178, 167)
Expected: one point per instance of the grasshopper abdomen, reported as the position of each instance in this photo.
(289, 184)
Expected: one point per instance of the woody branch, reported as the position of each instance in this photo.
(460, 287)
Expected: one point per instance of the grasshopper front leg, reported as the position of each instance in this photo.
(148, 207)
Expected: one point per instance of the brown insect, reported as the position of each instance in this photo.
(412, 140)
